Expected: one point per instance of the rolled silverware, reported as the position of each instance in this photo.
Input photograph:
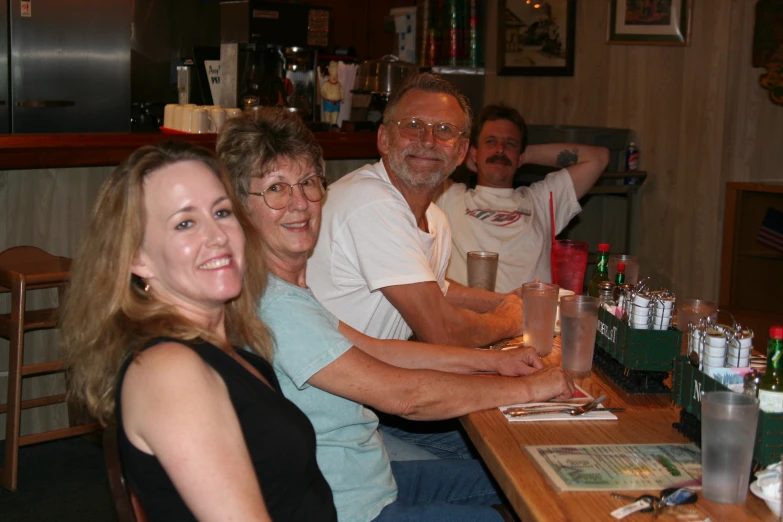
(512, 412)
(549, 405)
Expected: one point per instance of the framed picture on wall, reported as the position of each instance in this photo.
(536, 37)
(656, 22)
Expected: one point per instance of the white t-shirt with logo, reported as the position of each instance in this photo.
(369, 240)
(515, 223)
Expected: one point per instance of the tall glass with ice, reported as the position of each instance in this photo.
(728, 433)
(631, 267)
(482, 270)
(539, 309)
(578, 321)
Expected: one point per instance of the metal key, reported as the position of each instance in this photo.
(674, 510)
(651, 500)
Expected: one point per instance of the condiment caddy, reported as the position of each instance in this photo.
(689, 383)
(714, 345)
(637, 331)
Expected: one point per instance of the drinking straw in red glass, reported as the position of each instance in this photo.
(552, 250)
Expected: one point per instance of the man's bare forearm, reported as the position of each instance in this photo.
(435, 320)
(465, 327)
(565, 155)
(585, 163)
(472, 298)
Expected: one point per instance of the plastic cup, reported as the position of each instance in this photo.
(640, 300)
(738, 362)
(578, 321)
(740, 353)
(168, 115)
(482, 270)
(631, 268)
(570, 259)
(714, 361)
(661, 323)
(714, 350)
(539, 309)
(728, 432)
(691, 310)
(561, 293)
(718, 340)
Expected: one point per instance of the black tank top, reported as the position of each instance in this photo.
(279, 436)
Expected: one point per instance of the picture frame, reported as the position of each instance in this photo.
(536, 38)
(649, 22)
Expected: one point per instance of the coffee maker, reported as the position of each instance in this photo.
(269, 55)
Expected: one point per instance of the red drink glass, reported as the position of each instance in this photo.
(570, 263)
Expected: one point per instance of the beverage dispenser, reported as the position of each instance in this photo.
(269, 54)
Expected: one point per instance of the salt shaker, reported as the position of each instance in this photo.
(751, 383)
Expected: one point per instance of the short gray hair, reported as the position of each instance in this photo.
(429, 83)
(252, 145)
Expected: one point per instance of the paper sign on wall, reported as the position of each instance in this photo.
(213, 74)
(27, 8)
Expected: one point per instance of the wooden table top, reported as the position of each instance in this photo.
(647, 420)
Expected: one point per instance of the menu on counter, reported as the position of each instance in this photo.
(618, 467)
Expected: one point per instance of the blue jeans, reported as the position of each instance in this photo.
(453, 490)
(401, 450)
(416, 445)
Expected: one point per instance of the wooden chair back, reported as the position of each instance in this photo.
(128, 507)
(21, 269)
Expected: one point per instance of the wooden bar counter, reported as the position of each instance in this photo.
(36, 151)
(647, 420)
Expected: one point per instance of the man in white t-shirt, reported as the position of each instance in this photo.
(515, 223)
(380, 261)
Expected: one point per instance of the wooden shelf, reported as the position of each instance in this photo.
(617, 190)
(761, 254)
(37, 151)
(615, 187)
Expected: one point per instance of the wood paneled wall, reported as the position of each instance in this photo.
(699, 116)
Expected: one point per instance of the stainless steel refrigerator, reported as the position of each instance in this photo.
(65, 66)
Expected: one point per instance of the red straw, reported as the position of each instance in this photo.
(552, 252)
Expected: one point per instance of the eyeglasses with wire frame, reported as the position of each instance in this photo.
(415, 129)
(277, 197)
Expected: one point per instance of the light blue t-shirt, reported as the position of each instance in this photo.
(350, 451)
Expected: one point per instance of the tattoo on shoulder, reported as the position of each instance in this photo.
(566, 158)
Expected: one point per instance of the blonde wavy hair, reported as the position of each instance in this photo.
(107, 317)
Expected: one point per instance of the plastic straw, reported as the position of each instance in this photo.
(552, 250)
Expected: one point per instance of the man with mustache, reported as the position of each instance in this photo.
(380, 261)
(495, 217)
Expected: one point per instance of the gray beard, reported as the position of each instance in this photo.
(414, 179)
